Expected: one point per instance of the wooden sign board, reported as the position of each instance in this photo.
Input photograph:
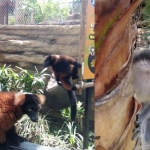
(89, 52)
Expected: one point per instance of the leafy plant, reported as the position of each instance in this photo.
(22, 80)
(65, 112)
(80, 113)
(66, 136)
(70, 134)
(39, 132)
(32, 82)
(12, 21)
(45, 10)
(8, 78)
(31, 7)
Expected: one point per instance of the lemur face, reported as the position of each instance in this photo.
(48, 61)
(32, 112)
(31, 106)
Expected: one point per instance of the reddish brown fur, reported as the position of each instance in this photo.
(7, 115)
(10, 111)
(66, 57)
(61, 77)
(64, 67)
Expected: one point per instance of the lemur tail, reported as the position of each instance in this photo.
(73, 104)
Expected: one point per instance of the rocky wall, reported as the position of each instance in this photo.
(27, 45)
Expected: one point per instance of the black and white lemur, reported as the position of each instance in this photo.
(141, 80)
(64, 68)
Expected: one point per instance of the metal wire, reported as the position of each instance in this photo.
(27, 12)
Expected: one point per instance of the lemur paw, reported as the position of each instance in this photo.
(75, 77)
(74, 88)
(137, 129)
(59, 83)
(17, 140)
(21, 139)
(78, 64)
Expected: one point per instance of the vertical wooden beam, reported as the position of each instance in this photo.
(82, 39)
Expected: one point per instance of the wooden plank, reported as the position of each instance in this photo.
(82, 41)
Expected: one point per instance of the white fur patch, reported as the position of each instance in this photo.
(57, 56)
(19, 99)
(141, 78)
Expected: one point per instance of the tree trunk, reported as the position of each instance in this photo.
(115, 107)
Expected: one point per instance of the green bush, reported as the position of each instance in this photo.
(22, 80)
(38, 132)
(80, 113)
(68, 136)
(8, 78)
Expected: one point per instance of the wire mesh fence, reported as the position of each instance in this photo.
(28, 12)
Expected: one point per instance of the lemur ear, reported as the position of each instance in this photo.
(19, 99)
(41, 98)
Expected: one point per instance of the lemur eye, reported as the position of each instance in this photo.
(30, 110)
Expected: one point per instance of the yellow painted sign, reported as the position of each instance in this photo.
(89, 52)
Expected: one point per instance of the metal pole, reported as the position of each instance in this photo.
(87, 116)
(6, 12)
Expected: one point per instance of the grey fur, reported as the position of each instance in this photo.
(141, 81)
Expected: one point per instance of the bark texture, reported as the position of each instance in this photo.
(115, 107)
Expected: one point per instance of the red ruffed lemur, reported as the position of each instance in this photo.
(64, 68)
(12, 107)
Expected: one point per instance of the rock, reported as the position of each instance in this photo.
(28, 45)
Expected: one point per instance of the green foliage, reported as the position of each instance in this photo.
(32, 6)
(80, 113)
(69, 133)
(67, 137)
(38, 132)
(22, 80)
(75, 139)
(8, 78)
(146, 10)
(45, 10)
(32, 131)
(31, 82)
(142, 15)
(12, 21)
(66, 113)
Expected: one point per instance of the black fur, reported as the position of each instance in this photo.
(33, 104)
(141, 55)
(73, 105)
(74, 73)
(77, 65)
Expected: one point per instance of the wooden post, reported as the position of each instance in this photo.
(82, 40)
